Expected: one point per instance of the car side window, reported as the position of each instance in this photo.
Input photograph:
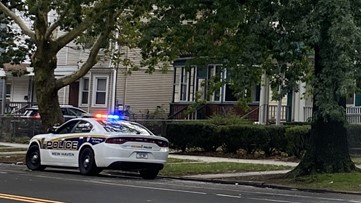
(64, 112)
(76, 112)
(67, 128)
(83, 127)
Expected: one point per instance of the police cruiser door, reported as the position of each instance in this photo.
(61, 147)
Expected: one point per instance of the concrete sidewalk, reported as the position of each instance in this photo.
(220, 159)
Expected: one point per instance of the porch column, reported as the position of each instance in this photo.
(300, 103)
(264, 100)
(3, 92)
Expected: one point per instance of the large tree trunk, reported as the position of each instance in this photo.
(46, 90)
(327, 150)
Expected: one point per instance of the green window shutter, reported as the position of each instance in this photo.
(358, 99)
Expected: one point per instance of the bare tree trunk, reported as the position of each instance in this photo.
(47, 98)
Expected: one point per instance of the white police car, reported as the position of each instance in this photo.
(92, 145)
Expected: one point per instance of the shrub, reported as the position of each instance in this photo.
(247, 137)
(354, 135)
(228, 119)
(207, 138)
(278, 141)
(297, 140)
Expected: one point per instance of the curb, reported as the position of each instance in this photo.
(261, 185)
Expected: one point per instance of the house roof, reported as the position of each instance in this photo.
(8, 67)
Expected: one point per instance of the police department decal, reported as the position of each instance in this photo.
(66, 145)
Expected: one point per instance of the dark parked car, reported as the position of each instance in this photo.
(29, 123)
(68, 111)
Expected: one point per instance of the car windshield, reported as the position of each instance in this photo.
(125, 127)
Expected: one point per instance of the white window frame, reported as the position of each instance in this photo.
(6, 90)
(81, 88)
(222, 78)
(95, 83)
(183, 81)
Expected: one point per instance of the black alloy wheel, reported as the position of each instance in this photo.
(87, 164)
(32, 159)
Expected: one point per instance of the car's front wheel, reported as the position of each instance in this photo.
(149, 174)
(87, 164)
(32, 159)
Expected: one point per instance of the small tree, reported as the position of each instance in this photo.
(91, 21)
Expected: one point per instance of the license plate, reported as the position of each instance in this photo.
(142, 155)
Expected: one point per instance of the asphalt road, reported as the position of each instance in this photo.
(54, 186)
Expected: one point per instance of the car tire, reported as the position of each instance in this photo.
(149, 174)
(87, 164)
(32, 159)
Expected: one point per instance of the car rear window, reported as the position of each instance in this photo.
(125, 127)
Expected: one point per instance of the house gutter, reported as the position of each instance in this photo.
(90, 94)
(3, 100)
(125, 79)
(115, 72)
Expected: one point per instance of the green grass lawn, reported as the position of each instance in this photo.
(335, 181)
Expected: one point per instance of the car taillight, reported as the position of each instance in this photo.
(36, 116)
(161, 143)
(122, 140)
(115, 140)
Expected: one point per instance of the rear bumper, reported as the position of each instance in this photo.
(135, 166)
(119, 157)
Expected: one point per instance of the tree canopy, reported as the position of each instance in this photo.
(285, 38)
(14, 49)
(289, 39)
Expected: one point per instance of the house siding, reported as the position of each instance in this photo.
(63, 95)
(143, 91)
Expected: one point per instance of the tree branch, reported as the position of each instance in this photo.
(56, 23)
(17, 20)
(71, 35)
(54, 26)
(92, 58)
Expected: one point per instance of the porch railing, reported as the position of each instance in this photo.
(14, 108)
(353, 114)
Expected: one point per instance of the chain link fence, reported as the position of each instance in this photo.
(17, 129)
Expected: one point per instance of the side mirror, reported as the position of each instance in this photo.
(51, 130)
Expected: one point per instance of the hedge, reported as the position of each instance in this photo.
(289, 139)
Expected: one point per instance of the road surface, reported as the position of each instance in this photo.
(17, 184)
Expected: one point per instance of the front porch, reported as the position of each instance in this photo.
(205, 111)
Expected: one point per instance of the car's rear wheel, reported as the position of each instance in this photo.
(32, 159)
(149, 174)
(87, 164)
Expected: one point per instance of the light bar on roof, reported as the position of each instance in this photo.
(104, 116)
